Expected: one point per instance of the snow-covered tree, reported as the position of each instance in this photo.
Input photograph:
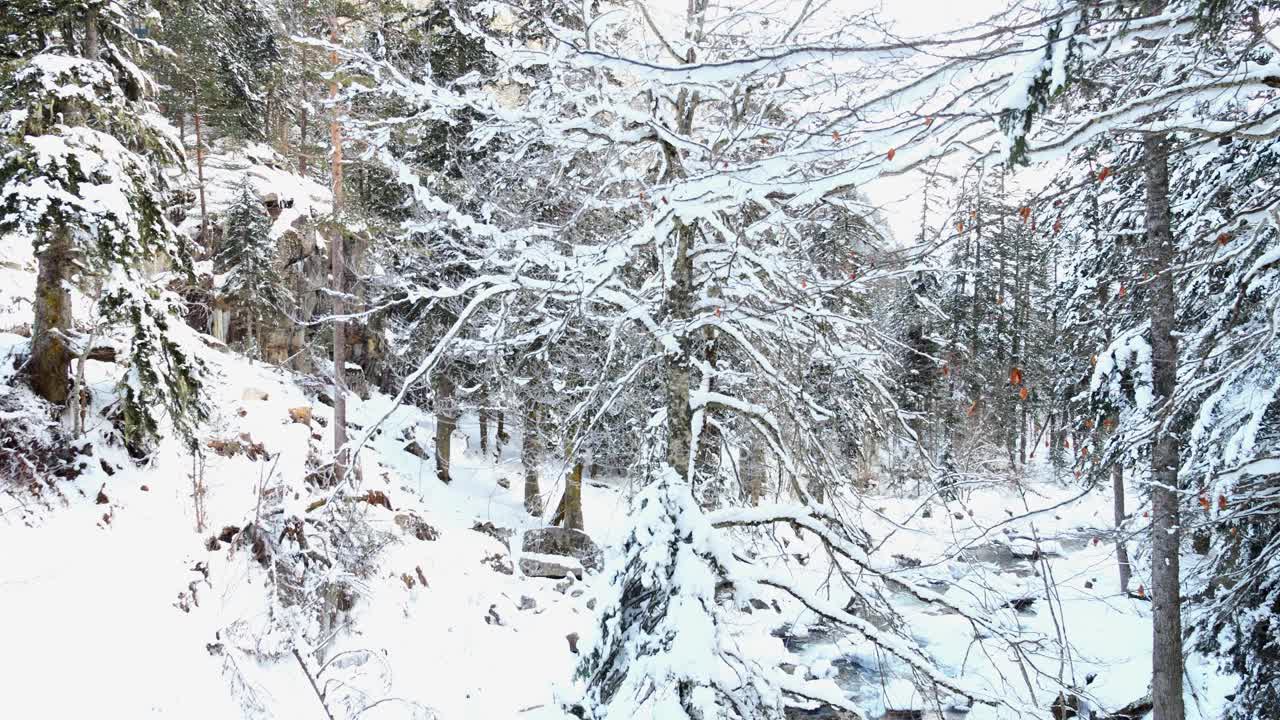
(1195, 83)
(247, 262)
(694, 237)
(80, 176)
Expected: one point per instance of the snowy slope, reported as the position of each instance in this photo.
(92, 603)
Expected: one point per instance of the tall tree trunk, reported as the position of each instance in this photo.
(1166, 597)
(484, 424)
(758, 472)
(204, 208)
(50, 356)
(338, 270)
(708, 460)
(569, 514)
(91, 43)
(500, 436)
(531, 458)
(446, 420)
(678, 365)
(1122, 548)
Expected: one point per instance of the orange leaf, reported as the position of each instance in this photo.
(1108, 423)
(960, 227)
(1121, 293)
(891, 153)
(1142, 591)
(973, 409)
(717, 312)
(1015, 377)
(1222, 502)
(1084, 452)
(1088, 424)
(1204, 503)
(1024, 393)
(1066, 442)
(1057, 227)
(835, 135)
(1224, 238)
(928, 121)
(973, 214)
(1106, 172)
(1025, 212)
(1093, 360)
(946, 370)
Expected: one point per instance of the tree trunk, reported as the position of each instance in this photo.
(446, 421)
(570, 513)
(302, 143)
(204, 208)
(500, 436)
(50, 356)
(1167, 659)
(679, 309)
(758, 471)
(531, 459)
(484, 424)
(338, 270)
(1122, 548)
(91, 43)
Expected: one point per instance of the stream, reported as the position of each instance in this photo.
(885, 689)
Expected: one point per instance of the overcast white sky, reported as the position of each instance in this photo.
(898, 196)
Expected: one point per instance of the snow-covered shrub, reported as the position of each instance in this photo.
(664, 649)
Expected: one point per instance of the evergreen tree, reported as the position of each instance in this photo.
(227, 63)
(247, 258)
(81, 176)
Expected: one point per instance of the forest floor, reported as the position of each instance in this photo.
(96, 572)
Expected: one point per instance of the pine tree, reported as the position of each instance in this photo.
(247, 259)
(227, 62)
(80, 175)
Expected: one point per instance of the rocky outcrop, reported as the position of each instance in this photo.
(573, 544)
(556, 567)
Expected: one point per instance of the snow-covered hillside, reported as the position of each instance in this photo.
(119, 596)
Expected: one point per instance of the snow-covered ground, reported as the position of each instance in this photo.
(90, 590)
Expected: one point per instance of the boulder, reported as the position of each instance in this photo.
(499, 564)
(573, 544)
(501, 534)
(556, 567)
(250, 393)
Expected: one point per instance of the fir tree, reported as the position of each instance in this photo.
(80, 176)
(247, 259)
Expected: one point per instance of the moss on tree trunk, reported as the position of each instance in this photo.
(50, 356)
